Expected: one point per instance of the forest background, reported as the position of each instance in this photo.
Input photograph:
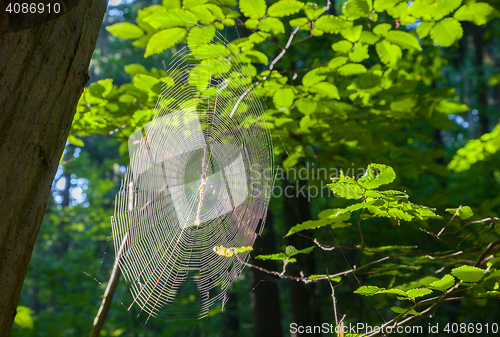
(411, 85)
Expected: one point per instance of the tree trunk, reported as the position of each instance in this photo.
(297, 210)
(43, 70)
(265, 296)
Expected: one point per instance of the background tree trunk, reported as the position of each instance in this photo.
(43, 70)
(265, 293)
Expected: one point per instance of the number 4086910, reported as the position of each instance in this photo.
(33, 8)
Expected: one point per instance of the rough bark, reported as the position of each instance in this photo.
(265, 296)
(43, 70)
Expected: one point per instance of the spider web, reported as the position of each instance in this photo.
(200, 177)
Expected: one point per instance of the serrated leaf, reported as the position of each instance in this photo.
(302, 23)
(382, 29)
(291, 250)
(354, 9)
(424, 28)
(334, 215)
(404, 103)
(468, 273)
(168, 4)
(418, 292)
(285, 8)
(332, 24)
(352, 34)
(258, 37)
(125, 30)
(368, 290)
(451, 107)
(315, 277)
(403, 39)
(254, 9)
(199, 36)
(171, 18)
(257, 56)
(251, 23)
(283, 98)
(464, 212)
(192, 3)
(377, 175)
(399, 310)
(342, 46)
(346, 187)
(313, 11)
(368, 37)
(351, 69)
(446, 32)
(479, 13)
(203, 14)
(134, 69)
(444, 7)
(306, 106)
(326, 89)
(393, 291)
(273, 24)
(164, 39)
(389, 53)
(382, 5)
(337, 62)
(313, 77)
(446, 282)
(276, 257)
(359, 53)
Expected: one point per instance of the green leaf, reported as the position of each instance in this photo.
(302, 23)
(125, 30)
(313, 77)
(399, 310)
(446, 282)
(291, 250)
(464, 212)
(356, 8)
(23, 317)
(444, 7)
(346, 187)
(403, 39)
(163, 40)
(393, 291)
(273, 24)
(377, 175)
(313, 11)
(134, 69)
(389, 248)
(352, 34)
(192, 3)
(306, 106)
(468, 273)
(451, 107)
(479, 12)
(332, 24)
(342, 46)
(168, 4)
(351, 69)
(418, 292)
(446, 32)
(382, 29)
(203, 14)
(359, 53)
(326, 89)
(315, 277)
(492, 261)
(337, 62)
(277, 257)
(424, 28)
(257, 56)
(368, 37)
(383, 5)
(199, 36)
(251, 23)
(334, 215)
(171, 18)
(400, 214)
(404, 103)
(368, 290)
(258, 37)
(285, 8)
(145, 82)
(283, 98)
(254, 9)
(75, 141)
(389, 53)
